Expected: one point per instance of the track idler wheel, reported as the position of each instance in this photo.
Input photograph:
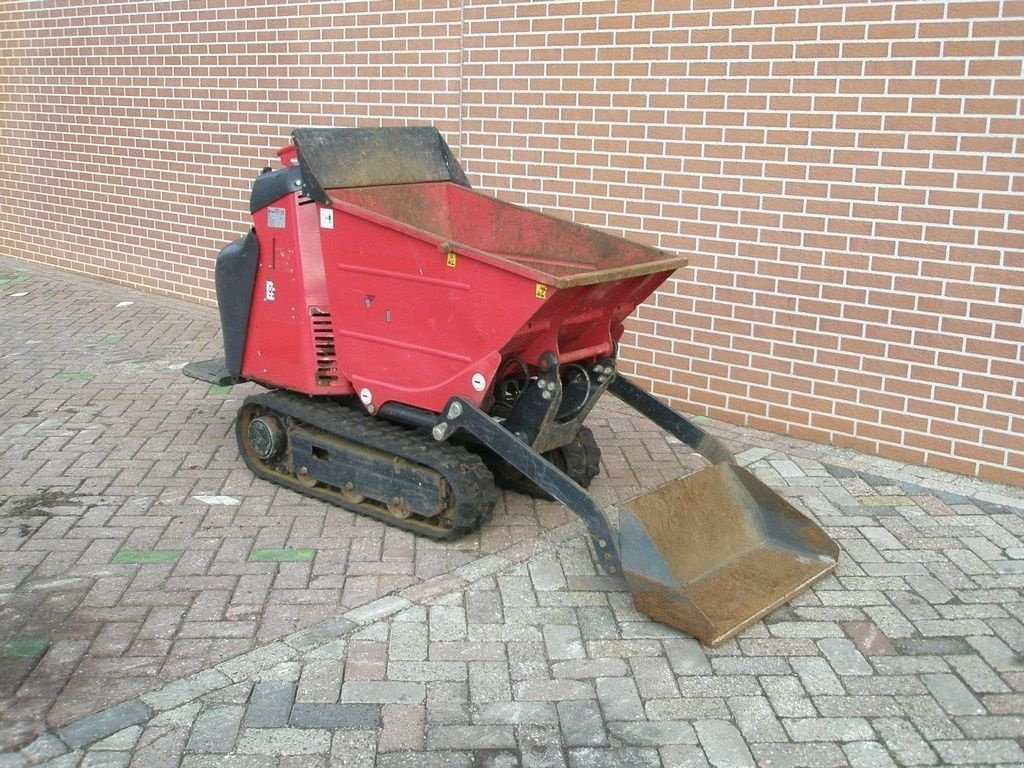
(266, 437)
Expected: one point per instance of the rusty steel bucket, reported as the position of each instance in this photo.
(713, 552)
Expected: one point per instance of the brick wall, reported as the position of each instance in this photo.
(847, 176)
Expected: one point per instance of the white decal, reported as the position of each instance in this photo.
(275, 218)
(326, 218)
(269, 292)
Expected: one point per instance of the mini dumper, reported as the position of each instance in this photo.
(420, 341)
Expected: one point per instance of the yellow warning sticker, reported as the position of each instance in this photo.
(452, 259)
(542, 291)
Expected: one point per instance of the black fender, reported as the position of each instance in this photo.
(235, 278)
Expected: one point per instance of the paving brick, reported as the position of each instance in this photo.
(653, 734)
(270, 705)
(283, 741)
(869, 754)
(723, 744)
(581, 724)
(952, 695)
(353, 749)
(355, 716)
(215, 730)
(755, 719)
(563, 642)
(981, 751)
(470, 737)
(383, 692)
(817, 676)
(904, 742)
(787, 697)
(552, 690)
(489, 682)
(104, 723)
(448, 703)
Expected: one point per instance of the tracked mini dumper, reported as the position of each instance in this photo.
(420, 340)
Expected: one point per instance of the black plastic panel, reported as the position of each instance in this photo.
(338, 158)
(235, 278)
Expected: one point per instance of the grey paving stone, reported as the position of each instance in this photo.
(540, 747)
(470, 737)
(654, 678)
(215, 730)
(270, 705)
(427, 671)
(516, 713)
(105, 760)
(868, 754)
(904, 742)
(445, 759)
(447, 702)
(104, 723)
(355, 716)
(581, 724)
(755, 718)
(844, 657)
(723, 744)
(283, 741)
(597, 623)
(819, 755)
(353, 749)
(619, 698)
(583, 669)
(376, 610)
(952, 695)
(653, 734)
(489, 682)
(178, 692)
(552, 690)
(834, 729)
(817, 676)
(981, 751)
(447, 623)
(637, 757)
(563, 642)
(687, 657)
(383, 692)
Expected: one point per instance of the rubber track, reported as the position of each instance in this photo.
(471, 483)
(582, 458)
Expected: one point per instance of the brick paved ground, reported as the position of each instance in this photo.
(158, 606)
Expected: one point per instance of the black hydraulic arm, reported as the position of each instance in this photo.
(707, 445)
(461, 414)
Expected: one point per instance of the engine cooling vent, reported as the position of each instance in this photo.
(323, 348)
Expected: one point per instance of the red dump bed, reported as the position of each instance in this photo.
(554, 251)
(422, 290)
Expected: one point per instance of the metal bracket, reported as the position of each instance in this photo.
(704, 443)
(537, 416)
(462, 414)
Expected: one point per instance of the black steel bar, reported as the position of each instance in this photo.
(707, 445)
(461, 414)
